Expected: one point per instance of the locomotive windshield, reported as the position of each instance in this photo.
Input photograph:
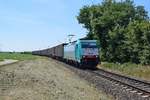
(89, 45)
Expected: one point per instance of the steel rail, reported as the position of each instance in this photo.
(126, 77)
(132, 87)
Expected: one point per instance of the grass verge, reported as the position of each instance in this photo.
(16, 56)
(130, 69)
(1, 59)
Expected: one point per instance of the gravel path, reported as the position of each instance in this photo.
(44, 79)
(7, 61)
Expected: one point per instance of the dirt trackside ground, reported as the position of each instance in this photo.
(44, 79)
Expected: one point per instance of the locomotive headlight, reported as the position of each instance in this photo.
(83, 56)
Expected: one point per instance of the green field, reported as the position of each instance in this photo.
(130, 69)
(16, 56)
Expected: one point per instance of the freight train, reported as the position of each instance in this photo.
(82, 53)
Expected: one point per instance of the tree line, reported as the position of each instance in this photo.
(121, 28)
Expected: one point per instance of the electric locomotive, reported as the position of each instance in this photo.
(82, 52)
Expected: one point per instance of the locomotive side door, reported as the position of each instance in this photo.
(77, 53)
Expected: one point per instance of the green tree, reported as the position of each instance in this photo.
(138, 41)
(121, 28)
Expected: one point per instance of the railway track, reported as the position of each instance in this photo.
(120, 86)
(133, 85)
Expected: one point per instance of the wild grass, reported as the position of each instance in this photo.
(130, 69)
(16, 56)
(1, 59)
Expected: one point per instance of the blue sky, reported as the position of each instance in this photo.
(27, 25)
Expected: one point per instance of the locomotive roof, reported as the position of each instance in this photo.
(88, 40)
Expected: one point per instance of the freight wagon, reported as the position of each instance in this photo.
(80, 52)
(57, 51)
